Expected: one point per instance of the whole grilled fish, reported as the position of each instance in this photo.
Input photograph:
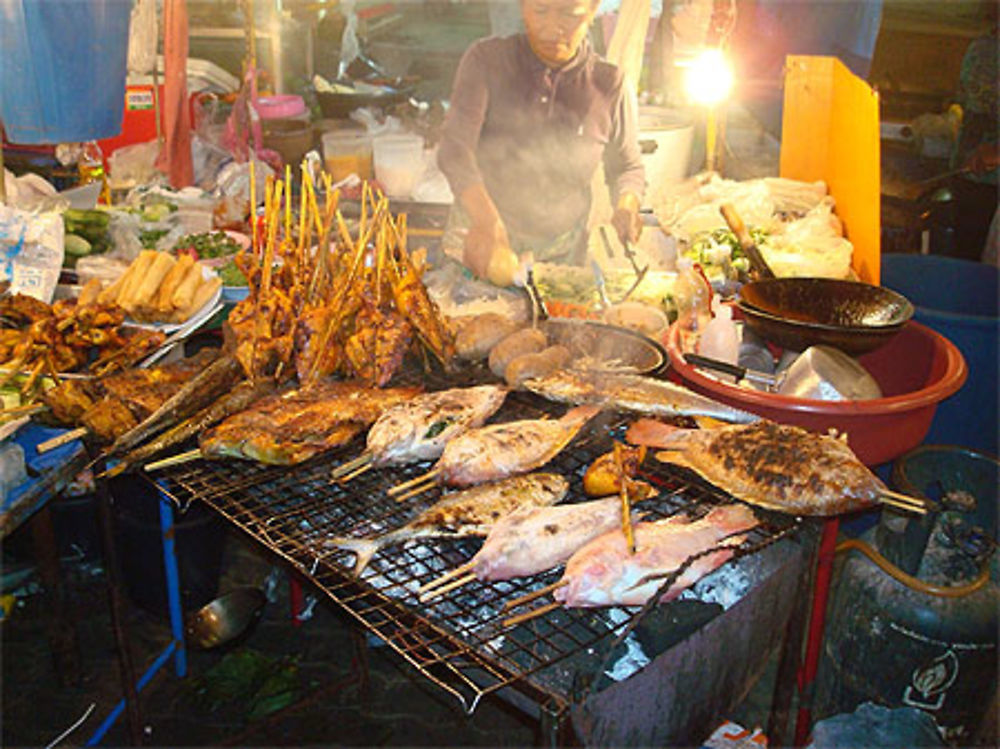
(534, 539)
(630, 392)
(419, 429)
(498, 450)
(470, 512)
(605, 573)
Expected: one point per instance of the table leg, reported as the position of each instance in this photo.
(61, 632)
(173, 584)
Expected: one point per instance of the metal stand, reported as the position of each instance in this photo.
(176, 648)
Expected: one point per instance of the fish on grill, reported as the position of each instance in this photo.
(295, 425)
(534, 539)
(629, 392)
(498, 450)
(420, 428)
(604, 573)
(459, 514)
(775, 466)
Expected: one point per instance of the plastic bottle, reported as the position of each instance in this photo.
(720, 339)
(692, 295)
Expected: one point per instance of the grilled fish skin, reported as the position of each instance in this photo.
(498, 450)
(630, 392)
(604, 573)
(777, 466)
(420, 428)
(534, 539)
(469, 512)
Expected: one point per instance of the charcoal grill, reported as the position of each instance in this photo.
(457, 641)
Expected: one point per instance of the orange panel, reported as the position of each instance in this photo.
(830, 131)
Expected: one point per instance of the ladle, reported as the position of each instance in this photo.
(225, 618)
(818, 373)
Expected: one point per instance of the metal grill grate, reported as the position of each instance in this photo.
(458, 640)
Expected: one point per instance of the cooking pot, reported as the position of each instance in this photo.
(796, 313)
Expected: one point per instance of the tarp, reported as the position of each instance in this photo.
(65, 80)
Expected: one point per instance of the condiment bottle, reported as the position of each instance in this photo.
(719, 339)
(692, 294)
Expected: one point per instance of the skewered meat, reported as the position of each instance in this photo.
(380, 340)
(420, 428)
(534, 539)
(414, 303)
(776, 466)
(604, 573)
(470, 512)
(632, 393)
(500, 450)
(295, 425)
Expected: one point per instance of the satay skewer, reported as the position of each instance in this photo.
(354, 474)
(441, 579)
(173, 460)
(533, 614)
(353, 464)
(414, 492)
(626, 505)
(528, 597)
(437, 592)
(429, 476)
(60, 440)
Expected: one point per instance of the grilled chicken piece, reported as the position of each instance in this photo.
(499, 450)
(534, 539)
(605, 573)
(379, 342)
(295, 425)
(420, 428)
(776, 466)
(422, 313)
(108, 418)
(470, 512)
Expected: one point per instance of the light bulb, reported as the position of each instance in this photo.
(709, 78)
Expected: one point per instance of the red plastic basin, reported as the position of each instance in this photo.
(916, 370)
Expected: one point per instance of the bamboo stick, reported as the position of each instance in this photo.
(173, 460)
(63, 439)
(414, 492)
(906, 506)
(253, 207)
(455, 572)
(528, 597)
(438, 592)
(403, 486)
(626, 505)
(533, 614)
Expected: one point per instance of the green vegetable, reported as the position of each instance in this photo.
(232, 276)
(149, 237)
(76, 246)
(90, 225)
(208, 244)
(437, 427)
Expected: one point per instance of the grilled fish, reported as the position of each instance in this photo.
(604, 573)
(534, 539)
(469, 512)
(498, 450)
(293, 426)
(419, 429)
(775, 466)
(630, 392)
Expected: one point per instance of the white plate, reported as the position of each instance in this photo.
(195, 320)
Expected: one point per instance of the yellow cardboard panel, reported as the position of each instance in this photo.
(830, 131)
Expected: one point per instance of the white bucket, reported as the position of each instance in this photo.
(665, 137)
(399, 162)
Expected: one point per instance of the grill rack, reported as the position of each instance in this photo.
(457, 641)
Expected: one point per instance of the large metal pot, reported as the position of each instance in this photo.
(796, 313)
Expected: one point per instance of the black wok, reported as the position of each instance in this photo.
(796, 313)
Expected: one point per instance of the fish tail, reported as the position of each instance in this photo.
(363, 548)
(581, 414)
(653, 433)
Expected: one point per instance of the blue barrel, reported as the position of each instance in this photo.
(958, 299)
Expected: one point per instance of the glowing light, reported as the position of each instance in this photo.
(709, 79)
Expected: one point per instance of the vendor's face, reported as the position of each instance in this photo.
(556, 28)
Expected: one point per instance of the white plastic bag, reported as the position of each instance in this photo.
(31, 251)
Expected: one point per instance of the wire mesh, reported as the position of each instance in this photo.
(458, 640)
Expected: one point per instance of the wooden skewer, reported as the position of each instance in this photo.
(459, 570)
(354, 474)
(402, 487)
(626, 505)
(905, 498)
(521, 618)
(349, 465)
(62, 439)
(533, 595)
(414, 492)
(173, 460)
(26, 409)
(916, 509)
(464, 580)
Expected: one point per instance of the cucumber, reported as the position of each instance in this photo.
(76, 246)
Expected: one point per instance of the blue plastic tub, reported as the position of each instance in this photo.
(958, 299)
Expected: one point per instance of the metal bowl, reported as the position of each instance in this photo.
(796, 313)
(599, 346)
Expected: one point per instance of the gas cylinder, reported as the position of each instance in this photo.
(891, 637)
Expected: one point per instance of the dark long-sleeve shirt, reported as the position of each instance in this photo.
(534, 136)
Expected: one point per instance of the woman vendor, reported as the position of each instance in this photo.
(531, 118)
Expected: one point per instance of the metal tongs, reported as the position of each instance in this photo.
(538, 309)
(640, 273)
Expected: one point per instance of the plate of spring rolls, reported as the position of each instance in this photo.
(163, 292)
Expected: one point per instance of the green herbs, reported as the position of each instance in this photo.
(232, 276)
(207, 244)
(437, 427)
(149, 237)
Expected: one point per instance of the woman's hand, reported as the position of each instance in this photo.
(482, 241)
(625, 219)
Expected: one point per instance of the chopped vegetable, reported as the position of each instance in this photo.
(232, 276)
(207, 244)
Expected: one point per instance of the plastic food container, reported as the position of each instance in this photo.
(346, 152)
(282, 106)
(916, 370)
(399, 162)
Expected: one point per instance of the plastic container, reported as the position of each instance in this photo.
(958, 299)
(916, 371)
(347, 152)
(399, 162)
(720, 340)
(665, 138)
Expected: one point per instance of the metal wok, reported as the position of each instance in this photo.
(796, 313)
(598, 346)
